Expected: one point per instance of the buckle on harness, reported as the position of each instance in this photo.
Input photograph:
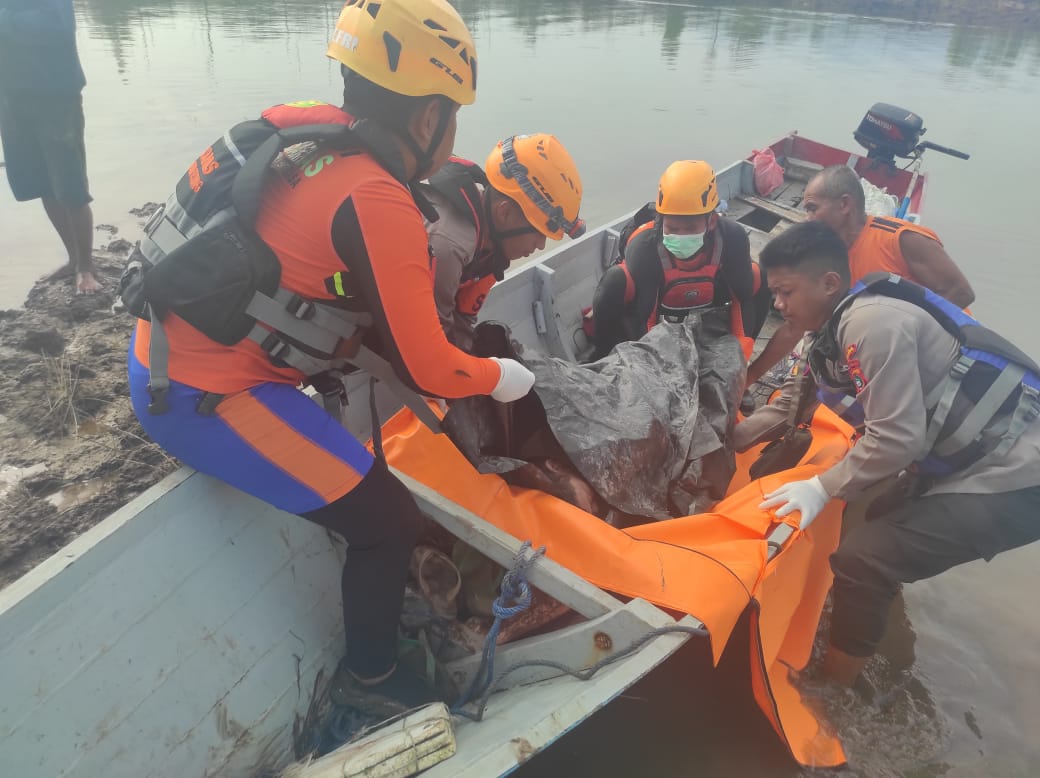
(961, 367)
(208, 402)
(330, 384)
(300, 308)
(332, 390)
(159, 404)
(276, 348)
(1033, 413)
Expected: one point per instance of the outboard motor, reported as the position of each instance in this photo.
(887, 132)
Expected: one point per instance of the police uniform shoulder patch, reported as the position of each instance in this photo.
(859, 380)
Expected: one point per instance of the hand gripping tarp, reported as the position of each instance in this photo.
(712, 565)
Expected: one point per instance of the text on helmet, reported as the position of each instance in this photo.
(345, 39)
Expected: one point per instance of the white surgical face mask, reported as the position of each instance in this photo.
(683, 246)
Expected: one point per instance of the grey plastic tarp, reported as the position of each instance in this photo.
(645, 426)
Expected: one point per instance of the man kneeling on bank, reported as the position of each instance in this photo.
(948, 404)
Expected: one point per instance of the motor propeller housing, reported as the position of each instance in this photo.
(888, 131)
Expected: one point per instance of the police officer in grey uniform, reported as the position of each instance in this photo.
(905, 369)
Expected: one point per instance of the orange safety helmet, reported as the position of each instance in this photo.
(687, 188)
(411, 47)
(538, 173)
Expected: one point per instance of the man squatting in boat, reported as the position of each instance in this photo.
(957, 422)
(680, 255)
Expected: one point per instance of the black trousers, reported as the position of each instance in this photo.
(918, 540)
(381, 524)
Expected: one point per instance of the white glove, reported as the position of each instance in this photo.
(806, 497)
(515, 382)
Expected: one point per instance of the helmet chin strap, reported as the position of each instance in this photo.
(499, 262)
(497, 235)
(424, 157)
(493, 231)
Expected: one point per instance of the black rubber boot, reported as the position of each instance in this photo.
(400, 692)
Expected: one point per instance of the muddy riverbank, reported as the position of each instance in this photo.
(71, 450)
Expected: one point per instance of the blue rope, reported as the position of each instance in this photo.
(514, 598)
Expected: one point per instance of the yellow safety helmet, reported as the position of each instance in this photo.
(538, 173)
(687, 188)
(411, 47)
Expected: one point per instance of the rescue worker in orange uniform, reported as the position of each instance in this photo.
(688, 258)
(347, 234)
(530, 192)
(835, 197)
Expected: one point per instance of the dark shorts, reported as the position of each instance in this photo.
(43, 147)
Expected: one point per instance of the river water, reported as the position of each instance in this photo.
(629, 87)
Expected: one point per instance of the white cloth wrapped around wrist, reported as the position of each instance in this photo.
(514, 382)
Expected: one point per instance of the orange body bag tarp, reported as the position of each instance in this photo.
(711, 565)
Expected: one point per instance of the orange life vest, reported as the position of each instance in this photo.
(472, 294)
(876, 248)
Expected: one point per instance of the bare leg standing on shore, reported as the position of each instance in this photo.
(42, 125)
(75, 226)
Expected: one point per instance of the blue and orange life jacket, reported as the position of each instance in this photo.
(989, 398)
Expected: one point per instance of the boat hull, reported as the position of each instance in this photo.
(186, 633)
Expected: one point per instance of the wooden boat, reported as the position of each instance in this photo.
(188, 632)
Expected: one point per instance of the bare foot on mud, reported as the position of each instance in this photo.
(87, 283)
